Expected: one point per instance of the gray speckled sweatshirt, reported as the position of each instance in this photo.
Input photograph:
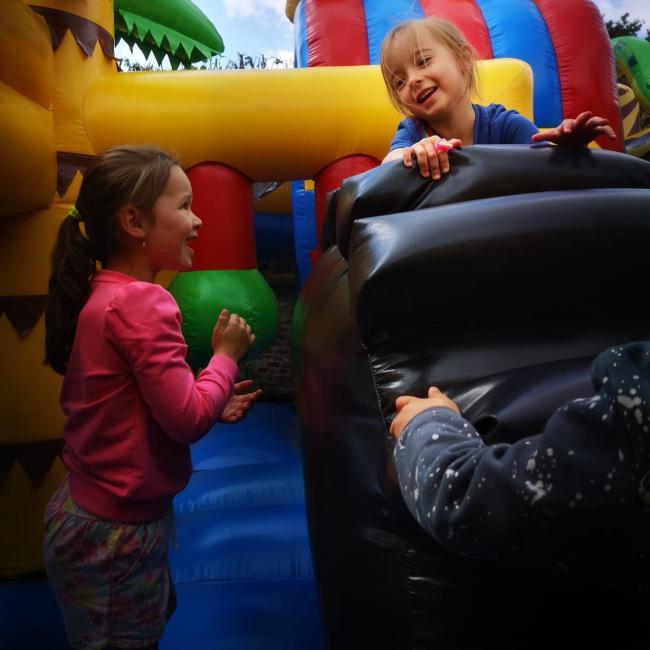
(577, 490)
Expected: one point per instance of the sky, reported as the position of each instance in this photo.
(252, 27)
(256, 27)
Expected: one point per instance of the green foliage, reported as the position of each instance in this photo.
(126, 65)
(243, 61)
(626, 27)
(261, 62)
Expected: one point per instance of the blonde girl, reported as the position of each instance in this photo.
(430, 73)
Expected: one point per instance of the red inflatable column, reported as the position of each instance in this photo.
(582, 44)
(330, 178)
(223, 200)
(467, 16)
(336, 32)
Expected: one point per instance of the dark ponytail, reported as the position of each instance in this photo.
(119, 177)
(73, 264)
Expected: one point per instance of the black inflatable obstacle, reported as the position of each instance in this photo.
(509, 277)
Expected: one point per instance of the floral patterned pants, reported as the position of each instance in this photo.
(110, 579)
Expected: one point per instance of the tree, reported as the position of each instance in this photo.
(242, 62)
(626, 27)
(261, 62)
(126, 65)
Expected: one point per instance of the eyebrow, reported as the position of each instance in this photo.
(397, 73)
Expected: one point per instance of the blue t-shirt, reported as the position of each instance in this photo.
(494, 124)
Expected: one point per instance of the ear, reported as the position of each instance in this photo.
(131, 221)
(467, 59)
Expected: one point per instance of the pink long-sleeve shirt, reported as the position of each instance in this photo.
(132, 404)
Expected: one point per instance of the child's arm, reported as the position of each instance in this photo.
(241, 401)
(233, 337)
(430, 155)
(394, 154)
(408, 407)
(498, 501)
(578, 132)
(430, 152)
(143, 322)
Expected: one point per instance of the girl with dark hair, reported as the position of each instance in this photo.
(133, 406)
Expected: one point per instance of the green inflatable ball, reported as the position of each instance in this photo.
(201, 295)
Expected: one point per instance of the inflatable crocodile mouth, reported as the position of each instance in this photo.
(177, 29)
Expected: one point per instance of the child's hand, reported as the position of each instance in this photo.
(240, 402)
(577, 133)
(231, 336)
(430, 155)
(408, 407)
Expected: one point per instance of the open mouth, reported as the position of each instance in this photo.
(187, 243)
(425, 95)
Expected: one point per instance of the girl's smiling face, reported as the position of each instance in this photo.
(173, 226)
(431, 81)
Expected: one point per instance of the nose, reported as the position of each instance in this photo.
(196, 222)
(414, 78)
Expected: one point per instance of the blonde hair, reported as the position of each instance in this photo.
(405, 39)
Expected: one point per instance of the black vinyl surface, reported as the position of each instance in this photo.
(502, 302)
(480, 172)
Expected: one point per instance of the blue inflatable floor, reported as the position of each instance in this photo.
(242, 571)
(29, 618)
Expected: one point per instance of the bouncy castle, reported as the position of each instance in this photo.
(517, 234)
